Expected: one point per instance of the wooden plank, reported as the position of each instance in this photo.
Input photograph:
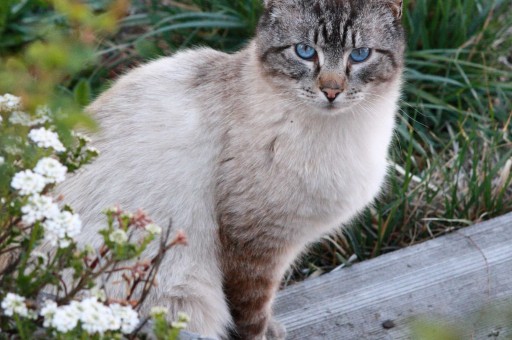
(450, 279)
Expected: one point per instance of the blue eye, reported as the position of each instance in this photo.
(305, 51)
(360, 54)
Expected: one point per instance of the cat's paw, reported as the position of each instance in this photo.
(275, 331)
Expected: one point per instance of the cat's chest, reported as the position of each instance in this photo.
(319, 174)
(333, 171)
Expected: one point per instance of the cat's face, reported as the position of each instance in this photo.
(331, 54)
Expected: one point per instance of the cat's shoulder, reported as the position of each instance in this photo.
(182, 63)
(162, 77)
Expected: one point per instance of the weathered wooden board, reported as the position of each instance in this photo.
(451, 279)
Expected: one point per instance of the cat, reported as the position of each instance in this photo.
(254, 154)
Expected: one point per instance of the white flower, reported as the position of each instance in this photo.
(81, 136)
(8, 102)
(46, 139)
(48, 312)
(93, 316)
(153, 229)
(129, 318)
(42, 114)
(2, 160)
(37, 208)
(62, 227)
(118, 236)
(51, 169)
(157, 311)
(14, 304)
(28, 182)
(21, 118)
(66, 318)
(25, 119)
(183, 319)
(98, 294)
(97, 318)
(92, 149)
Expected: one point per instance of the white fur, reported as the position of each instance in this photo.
(160, 150)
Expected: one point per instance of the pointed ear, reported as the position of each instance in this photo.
(396, 7)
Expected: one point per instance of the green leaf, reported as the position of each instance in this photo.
(82, 92)
(147, 49)
(5, 6)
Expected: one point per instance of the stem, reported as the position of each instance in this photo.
(21, 329)
(29, 249)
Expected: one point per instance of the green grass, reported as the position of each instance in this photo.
(450, 166)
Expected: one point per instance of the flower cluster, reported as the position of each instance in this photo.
(46, 139)
(37, 208)
(61, 228)
(51, 170)
(28, 182)
(14, 304)
(9, 103)
(90, 314)
(33, 160)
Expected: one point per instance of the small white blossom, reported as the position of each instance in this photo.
(118, 236)
(184, 317)
(37, 208)
(25, 119)
(32, 314)
(14, 304)
(43, 114)
(28, 182)
(2, 160)
(157, 311)
(92, 149)
(66, 318)
(94, 317)
(21, 118)
(153, 229)
(62, 227)
(46, 139)
(97, 318)
(81, 136)
(8, 102)
(48, 312)
(129, 318)
(51, 169)
(178, 324)
(98, 294)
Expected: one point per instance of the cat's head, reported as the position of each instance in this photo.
(331, 54)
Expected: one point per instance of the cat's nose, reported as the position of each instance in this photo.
(331, 94)
(331, 85)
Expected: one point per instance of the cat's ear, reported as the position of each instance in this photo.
(396, 7)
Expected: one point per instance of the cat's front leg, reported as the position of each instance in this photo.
(250, 293)
(275, 330)
(251, 279)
